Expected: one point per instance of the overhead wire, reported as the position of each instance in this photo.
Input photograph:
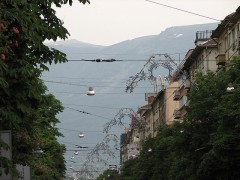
(84, 85)
(189, 12)
(84, 112)
(67, 129)
(102, 107)
(82, 78)
(113, 60)
(108, 93)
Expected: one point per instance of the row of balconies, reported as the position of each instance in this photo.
(177, 93)
(179, 113)
(221, 57)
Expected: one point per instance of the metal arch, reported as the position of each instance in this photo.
(118, 119)
(146, 72)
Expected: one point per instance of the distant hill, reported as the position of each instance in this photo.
(172, 40)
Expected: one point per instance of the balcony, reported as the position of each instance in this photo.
(221, 59)
(176, 114)
(136, 139)
(176, 95)
(187, 84)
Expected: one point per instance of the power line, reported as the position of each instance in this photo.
(82, 78)
(183, 10)
(70, 143)
(67, 129)
(71, 93)
(84, 112)
(119, 54)
(84, 85)
(106, 60)
(95, 106)
(93, 60)
(68, 83)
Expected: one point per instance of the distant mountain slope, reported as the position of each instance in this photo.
(172, 40)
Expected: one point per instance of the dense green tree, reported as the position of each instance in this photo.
(25, 107)
(109, 175)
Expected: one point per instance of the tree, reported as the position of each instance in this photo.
(213, 116)
(25, 107)
(109, 175)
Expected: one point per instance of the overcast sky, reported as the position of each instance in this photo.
(106, 22)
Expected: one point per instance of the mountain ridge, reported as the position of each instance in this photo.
(168, 41)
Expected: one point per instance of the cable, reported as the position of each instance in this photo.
(174, 53)
(86, 131)
(94, 106)
(120, 60)
(88, 113)
(182, 10)
(82, 78)
(65, 142)
(57, 82)
(84, 85)
(97, 93)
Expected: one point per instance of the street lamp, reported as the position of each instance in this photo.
(81, 135)
(230, 88)
(149, 149)
(38, 150)
(90, 92)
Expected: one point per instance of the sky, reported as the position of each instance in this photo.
(107, 22)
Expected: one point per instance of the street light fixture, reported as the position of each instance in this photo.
(81, 135)
(38, 150)
(230, 88)
(90, 92)
(149, 149)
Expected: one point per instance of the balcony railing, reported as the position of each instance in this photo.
(221, 59)
(176, 95)
(187, 84)
(176, 114)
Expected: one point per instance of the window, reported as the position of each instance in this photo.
(226, 43)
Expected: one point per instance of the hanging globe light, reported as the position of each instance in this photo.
(230, 87)
(90, 92)
(76, 153)
(81, 135)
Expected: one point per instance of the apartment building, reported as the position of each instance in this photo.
(228, 35)
(214, 49)
(171, 104)
(157, 112)
(130, 140)
(199, 59)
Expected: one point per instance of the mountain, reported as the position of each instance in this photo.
(172, 40)
(70, 81)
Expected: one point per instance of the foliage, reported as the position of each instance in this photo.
(109, 175)
(206, 145)
(25, 107)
